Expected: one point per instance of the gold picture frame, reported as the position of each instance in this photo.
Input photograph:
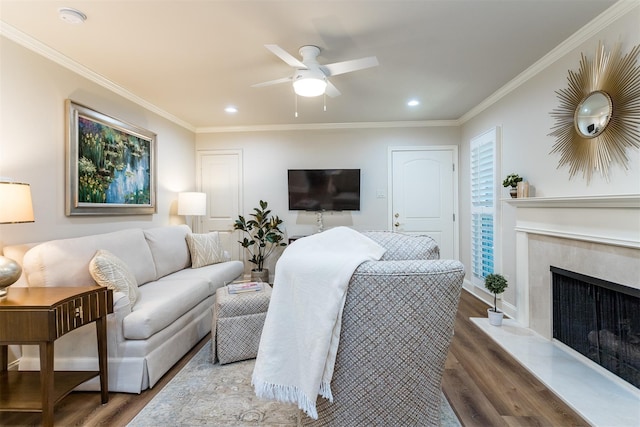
(599, 113)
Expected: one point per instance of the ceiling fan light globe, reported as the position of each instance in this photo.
(309, 87)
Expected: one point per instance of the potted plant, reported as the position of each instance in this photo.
(496, 284)
(512, 181)
(262, 237)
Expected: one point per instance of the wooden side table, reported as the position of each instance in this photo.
(40, 316)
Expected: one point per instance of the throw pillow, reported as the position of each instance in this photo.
(205, 249)
(110, 271)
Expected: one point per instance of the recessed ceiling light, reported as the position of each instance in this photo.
(71, 16)
(231, 109)
(413, 103)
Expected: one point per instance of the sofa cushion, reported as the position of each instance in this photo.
(110, 271)
(65, 262)
(216, 274)
(161, 303)
(205, 249)
(168, 248)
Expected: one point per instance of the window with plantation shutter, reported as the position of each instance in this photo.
(483, 205)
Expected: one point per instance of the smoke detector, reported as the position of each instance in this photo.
(71, 16)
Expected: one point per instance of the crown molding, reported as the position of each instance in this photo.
(616, 11)
(596, 25)
(580, 202)
(36, 46)
(329, 126)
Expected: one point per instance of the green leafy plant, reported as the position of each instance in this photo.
(262, 234)
(512, 180)
(496, 284)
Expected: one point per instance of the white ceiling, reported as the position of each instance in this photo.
(191, 58)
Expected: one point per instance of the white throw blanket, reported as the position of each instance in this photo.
(300, 338)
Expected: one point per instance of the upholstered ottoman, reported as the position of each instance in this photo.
(237, 323)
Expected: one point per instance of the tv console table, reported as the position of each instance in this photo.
(39, 316)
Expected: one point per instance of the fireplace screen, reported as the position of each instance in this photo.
(600, 320)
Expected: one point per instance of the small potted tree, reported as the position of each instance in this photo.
(496, 284)
(262, 237)
(512, 181)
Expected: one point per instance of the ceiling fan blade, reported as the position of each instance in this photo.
(285, 56)
(273, 82)
(352, 65)
(331, 90)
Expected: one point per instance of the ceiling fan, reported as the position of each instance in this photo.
(310, 78)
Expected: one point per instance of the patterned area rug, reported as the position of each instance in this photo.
(206, 394)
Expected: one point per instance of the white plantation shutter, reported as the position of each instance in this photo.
(483, 205)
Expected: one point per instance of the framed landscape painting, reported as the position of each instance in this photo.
(111, 165)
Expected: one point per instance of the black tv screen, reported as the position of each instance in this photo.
(324, 189)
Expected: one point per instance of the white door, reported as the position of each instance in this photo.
(423, 194)
(220, 177)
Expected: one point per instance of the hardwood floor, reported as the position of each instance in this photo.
(486, 387)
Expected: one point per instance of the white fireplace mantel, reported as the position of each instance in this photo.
(609, 219)
(610, 222)
(604, 201)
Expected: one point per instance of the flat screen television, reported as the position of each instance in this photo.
(324, 189)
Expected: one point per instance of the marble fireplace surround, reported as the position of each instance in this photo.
(598, 236)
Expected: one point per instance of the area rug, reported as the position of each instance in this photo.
(207, 394)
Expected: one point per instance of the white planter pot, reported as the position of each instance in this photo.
(495, 318)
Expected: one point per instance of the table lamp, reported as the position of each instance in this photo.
(192, 204)
(15, 207)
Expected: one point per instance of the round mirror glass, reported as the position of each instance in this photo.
(593, 114)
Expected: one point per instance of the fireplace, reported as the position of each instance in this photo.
(598, 319)
(599, 237)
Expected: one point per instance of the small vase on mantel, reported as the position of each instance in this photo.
(513, 192)
(522, 189)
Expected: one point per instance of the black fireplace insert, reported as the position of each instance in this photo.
(600, 320)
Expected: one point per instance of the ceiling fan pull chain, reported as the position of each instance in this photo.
(295, 97)
(325, 101)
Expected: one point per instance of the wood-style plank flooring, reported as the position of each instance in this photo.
(486, 387)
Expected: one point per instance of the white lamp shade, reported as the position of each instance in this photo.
(192, 203)
(15, 203)
(309, 86)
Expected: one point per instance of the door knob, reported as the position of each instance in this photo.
(397, 215)
(397, 224)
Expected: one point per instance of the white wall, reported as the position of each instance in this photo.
(32, 146)
(524, 120)
(268, 155)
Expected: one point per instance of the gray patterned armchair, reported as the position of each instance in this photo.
(397, 325)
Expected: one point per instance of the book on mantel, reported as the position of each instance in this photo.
(237, 288)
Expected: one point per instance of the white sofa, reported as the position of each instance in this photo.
(172, 313)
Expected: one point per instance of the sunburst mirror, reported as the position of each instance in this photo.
(599, 113)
